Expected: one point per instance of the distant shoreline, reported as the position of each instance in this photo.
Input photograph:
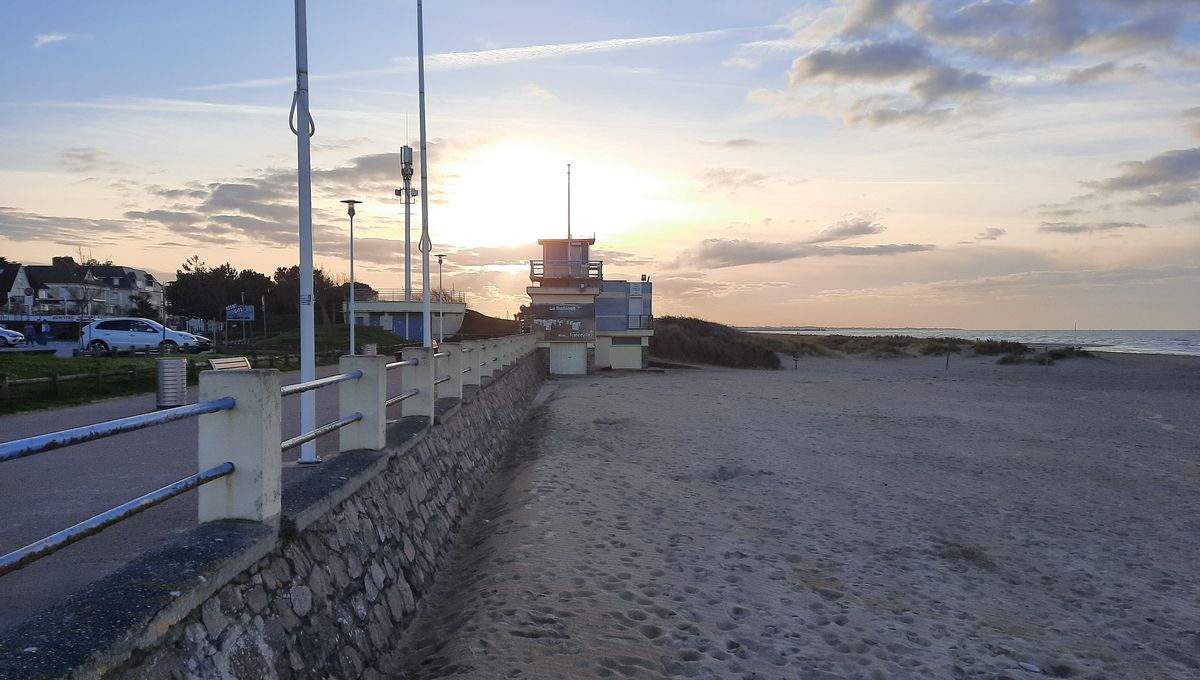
(1156, 342)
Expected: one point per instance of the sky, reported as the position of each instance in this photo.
(984, 165)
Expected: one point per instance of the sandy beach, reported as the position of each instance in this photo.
(856, 518)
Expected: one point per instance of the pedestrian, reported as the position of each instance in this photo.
(44, 335)
(28, 334)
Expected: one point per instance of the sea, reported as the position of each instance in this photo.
(1185, 343)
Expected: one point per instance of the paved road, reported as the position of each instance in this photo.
(49, 492)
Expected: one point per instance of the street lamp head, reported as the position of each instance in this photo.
(350, 203)
(439, 256)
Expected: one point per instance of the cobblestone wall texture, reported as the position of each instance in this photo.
(327, 602)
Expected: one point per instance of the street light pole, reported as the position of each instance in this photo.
(441, 303)
(304, 128)
(350, 203)
(426, 244)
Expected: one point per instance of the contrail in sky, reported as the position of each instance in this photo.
(451, 61)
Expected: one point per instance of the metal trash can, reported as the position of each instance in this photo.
(370, 349)
(172, 382)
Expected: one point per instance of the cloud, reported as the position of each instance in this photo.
(1191, 120)
(867, 61)
(538, 92)
(1168, 179)
(1087, 227)
(165, 216)
(1041, 30)
(920, 63)
(718, 253)
(19, 225)
(871, 13)
(741, 62)
(729, 179)
(1104, 71)
(44, 39)
(84, 160)
(990, 234)
(847, 228)
(738, 143)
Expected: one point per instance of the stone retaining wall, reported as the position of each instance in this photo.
(359, 543)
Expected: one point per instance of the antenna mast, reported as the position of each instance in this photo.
(568, 201)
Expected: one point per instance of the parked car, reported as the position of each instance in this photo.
(132, 333)
(9, 338)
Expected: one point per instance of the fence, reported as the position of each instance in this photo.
(240, 434)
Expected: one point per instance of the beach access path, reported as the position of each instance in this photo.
(51, 491)
(855, 518)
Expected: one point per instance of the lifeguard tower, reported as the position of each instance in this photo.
(585, 321)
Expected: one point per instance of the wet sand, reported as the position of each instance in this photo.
(856, 518)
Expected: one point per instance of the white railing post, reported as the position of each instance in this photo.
(366, 396)
(419, 377)
(470, 359)
(452, 366)
(487, 355)
(248, 435)
(503, 351)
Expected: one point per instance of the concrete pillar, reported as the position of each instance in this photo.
(470, 360)
(419, 377)
(483, 360)
(451, 365)
(366, 396)
(248, 435)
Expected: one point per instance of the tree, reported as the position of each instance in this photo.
(287, 292)
(142, 307)
(198, 291)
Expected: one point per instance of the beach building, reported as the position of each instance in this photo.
(399, 311)
(585, 321)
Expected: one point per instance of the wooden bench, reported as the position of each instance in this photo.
(229, 364)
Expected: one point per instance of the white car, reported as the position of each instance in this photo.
(9, 338)
(131, 333)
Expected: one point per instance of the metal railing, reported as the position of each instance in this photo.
(29, 446)
(246, 443)
(57, 541)
(540, 270)
(408, 295)
(297, 388)
(331, 426)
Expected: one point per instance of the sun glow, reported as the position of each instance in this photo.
(512, 193)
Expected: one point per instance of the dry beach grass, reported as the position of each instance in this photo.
(855, 518)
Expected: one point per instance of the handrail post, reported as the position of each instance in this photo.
(471, 356)
(366, 396)
(506, 352)
(248, 435)
(487, 352)
(452, 366)
(419, 377)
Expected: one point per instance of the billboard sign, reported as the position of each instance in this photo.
(239, 312)
(576, 330)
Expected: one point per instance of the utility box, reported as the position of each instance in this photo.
(172, 382)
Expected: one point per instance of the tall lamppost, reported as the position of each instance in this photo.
(441, 302)
(350, 203)
(304, 128)
(426, 244)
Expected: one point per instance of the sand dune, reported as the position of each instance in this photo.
(854, 519)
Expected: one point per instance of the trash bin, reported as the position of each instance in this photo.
(172, 382)
(370, 349)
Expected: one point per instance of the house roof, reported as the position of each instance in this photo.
(8, 276)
